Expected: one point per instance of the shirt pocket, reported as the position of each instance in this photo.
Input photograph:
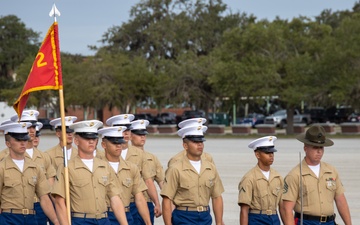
(13, 187)
(80, 185)
(127, 183)
(186, 190)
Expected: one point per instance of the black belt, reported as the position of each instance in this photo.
(321, 219)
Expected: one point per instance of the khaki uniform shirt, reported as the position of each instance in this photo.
(318, 193)
(156, 168)
(100, 154)
(57, 156)
(156, 172)
(129, 181)
(186, 187)
(88, 190)
(4, 153)
(44, 161)
(179, 156)
(258, 192)
(137, 156)
(18, 188)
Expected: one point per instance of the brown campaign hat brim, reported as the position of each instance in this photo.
(315, 136)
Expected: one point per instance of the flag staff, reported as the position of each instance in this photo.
(53, 13)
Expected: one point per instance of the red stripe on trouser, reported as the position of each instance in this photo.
(296, 221)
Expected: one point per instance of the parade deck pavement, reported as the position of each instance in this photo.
(233, 159)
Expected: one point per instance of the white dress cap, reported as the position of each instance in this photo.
(6, 122)
(39, 125)
(120, 120)
(86, 126)
(27, 115)
(192, 122)
(195, 133)
(68, 121)
(265, 144)
(17, 130)
(113, 134)
(112, 131)
(139, 127)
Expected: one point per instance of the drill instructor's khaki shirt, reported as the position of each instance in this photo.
(88, 190)
(318, 193)
(258, 192)
(19, 188)
(186, 187)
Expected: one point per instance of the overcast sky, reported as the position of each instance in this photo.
(83, 22)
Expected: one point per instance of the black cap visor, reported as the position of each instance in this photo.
(20, 136)
(68, 130)
(266, 149)
(87, 135)
(195, 138)
(139, 132)
(116, 140)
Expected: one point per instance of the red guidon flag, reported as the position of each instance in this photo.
(45, 73)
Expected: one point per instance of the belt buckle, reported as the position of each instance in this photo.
(269, 212)
(323, 219)
(98, 216)
(200, 208)
(25, 211)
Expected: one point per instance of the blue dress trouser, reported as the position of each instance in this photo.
(180, 217)
(40, 215)
(151, 208)
(87, 221)
(114, 221)
(17, 219)
(262, 219)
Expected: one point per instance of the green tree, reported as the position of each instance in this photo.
(16, 43)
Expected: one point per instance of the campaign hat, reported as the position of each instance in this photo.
(315, 136)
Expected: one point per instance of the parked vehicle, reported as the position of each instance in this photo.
(188, 114)
(318, 115)
(340, 114)
(279, 118)
(146, 116)
(167, 118)
(354, 117)
(254, 119)
(46, 123)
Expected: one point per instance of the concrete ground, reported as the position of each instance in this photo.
(233, 159)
